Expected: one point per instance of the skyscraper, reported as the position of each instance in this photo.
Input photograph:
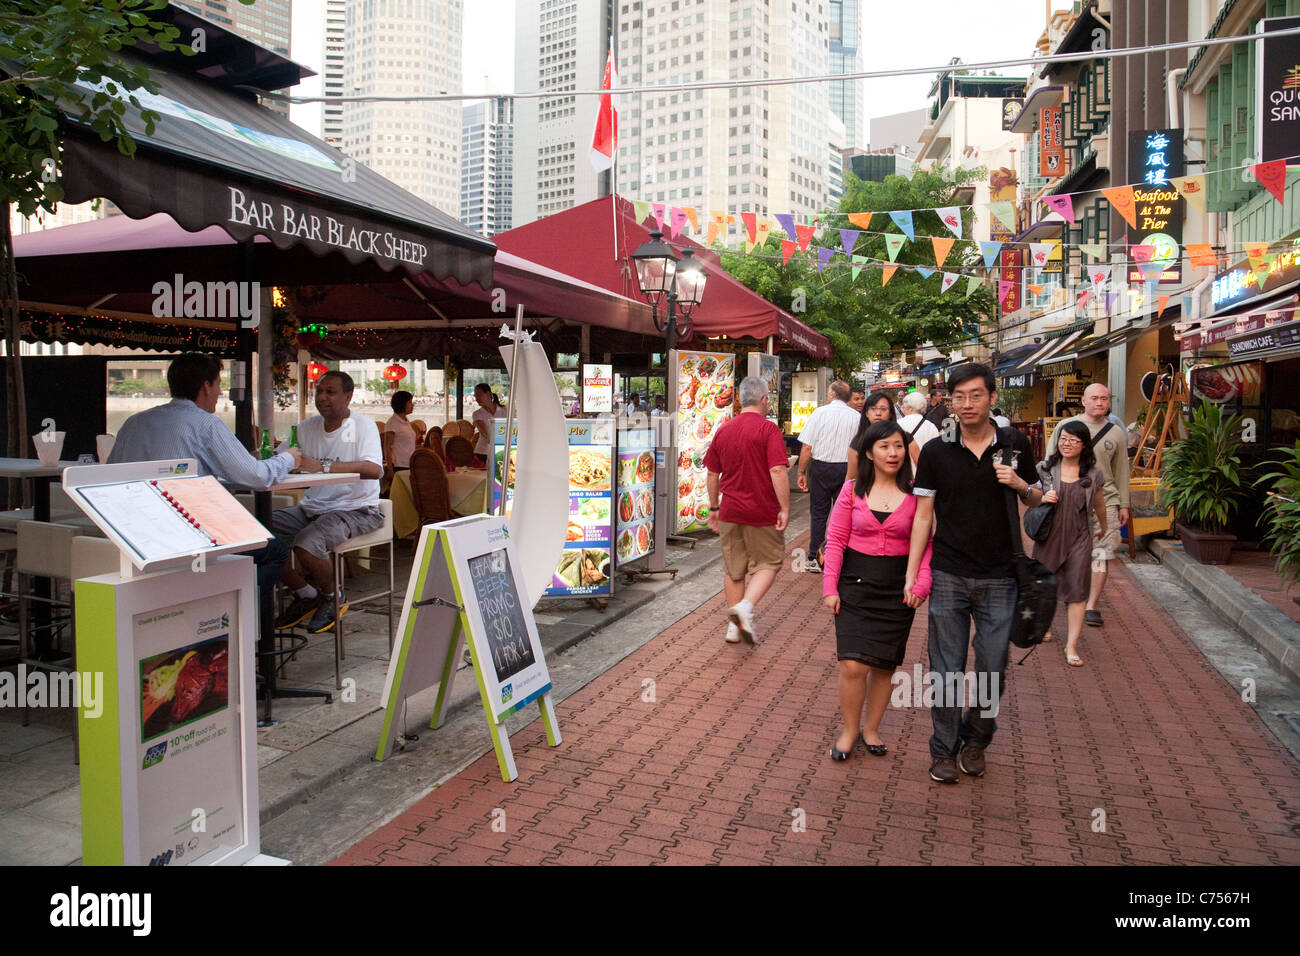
(847, 96)
(336, 17)
(405, 48)
(265, 22)
(487, 150)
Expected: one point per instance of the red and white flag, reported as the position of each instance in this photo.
(604, 140)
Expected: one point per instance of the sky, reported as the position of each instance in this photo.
(931, 32)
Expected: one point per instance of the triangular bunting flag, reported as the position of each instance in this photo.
(858, 263)
(903, 220)
(1004, 289)
(1142, 253)
(942, 246)
(1095, 249)
(847, 238)
(1201, 254)
(1098, 275)
(951, 217)
(1110, 301)
(887, 273)
(1262, 269)
(1038, 253)
(693, 215)
(1061, 204)
(676, 221)
(893, 243)
(1151, 271)
(949, 279)
(1005, 213)
(640, 209)
(1084, 296)
(1121, 197)
(805, 234)
(1160, 305)
(823, 257)
(764, 228)
(750, 246)
(1138, 299)
(1254, 251)
(714, 229)
(990, 252)
(924, 272)
(1191, 188)
(787, 223)
(972, 283)
(751, 225)
(660, 211)
(860, 219)
(1036, 289)
(787, 250)
(1272, 176)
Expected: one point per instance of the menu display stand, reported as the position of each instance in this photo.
(169, 761)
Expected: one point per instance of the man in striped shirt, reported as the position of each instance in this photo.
(824, 458)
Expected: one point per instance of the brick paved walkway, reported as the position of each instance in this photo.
(1146, 733)
(1255, 569)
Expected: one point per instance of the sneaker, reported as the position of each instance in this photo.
(323, 619)
(742, 619)
(944, 770)
(297, 612)
(733, 634)
(971, 760)
(812, 567)
(1092, 618)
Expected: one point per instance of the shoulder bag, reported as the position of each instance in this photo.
(1036, 602)
(1038, 519)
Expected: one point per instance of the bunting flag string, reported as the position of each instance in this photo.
(886, 274)
(972, 283)
(1121, 198)
(949, 279)
(787, 223)
(858, 263)
(1063, 205)
(787, 250)
(1005, 212)
(903, 220)
(1191, 188)
(893, 243)
(847, 238)
(1272, 176)
(860, 219)
(950, 216)
(924, 272)
(990, 251)
(823, 256)
(942, 245)
(1099, 275)
(805, 234)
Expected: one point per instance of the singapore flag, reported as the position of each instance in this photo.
(604, 140)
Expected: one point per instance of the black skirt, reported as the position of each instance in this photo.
(873, 622)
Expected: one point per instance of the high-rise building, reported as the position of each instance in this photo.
(405, 48)
(848, 97)
(752, 149)
(560, 45)
(486, 165)
(265, 22)
(335, 41)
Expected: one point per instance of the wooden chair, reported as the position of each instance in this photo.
(433, 439)
(460, 452)
(451, 430)
(429, 487)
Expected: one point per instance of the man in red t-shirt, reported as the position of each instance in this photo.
(747, 462)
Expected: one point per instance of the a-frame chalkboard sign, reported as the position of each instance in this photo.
(465, 581)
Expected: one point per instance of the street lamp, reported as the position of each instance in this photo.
(665, 278)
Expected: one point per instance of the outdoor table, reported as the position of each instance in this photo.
(266, 643)
(40, 476)
(465, 494)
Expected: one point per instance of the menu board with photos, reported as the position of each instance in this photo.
(585, 567)
(705, 393)
(635, 501)
(768, 368)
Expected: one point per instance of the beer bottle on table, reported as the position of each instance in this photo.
(293, 437)
(266, 451)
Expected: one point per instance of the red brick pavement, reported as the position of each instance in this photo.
(1255, 569)
(1146, 738)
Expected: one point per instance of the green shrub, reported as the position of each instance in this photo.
(1202, 476)
(1282, 510)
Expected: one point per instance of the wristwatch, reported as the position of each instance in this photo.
(325, 465)
(1024, 495)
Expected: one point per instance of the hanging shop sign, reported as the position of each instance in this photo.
(1023, 380)
(1012, 261)
(598, 388)
(1242, 282)
(1269, 340)
(1051, 145)
(1155, 158)
(1057, 369)
(1277, 78)
(1011, 110)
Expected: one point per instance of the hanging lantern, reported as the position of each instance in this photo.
(315, 370)
(394, 374)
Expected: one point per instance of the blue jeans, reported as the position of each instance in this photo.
(269, 561)
(954, 603)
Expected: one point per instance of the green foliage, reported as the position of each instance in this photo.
(1202, 476)
(1012, 400)
(1282, 510)
(862, 319)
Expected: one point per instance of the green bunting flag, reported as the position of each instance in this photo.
(894, 243)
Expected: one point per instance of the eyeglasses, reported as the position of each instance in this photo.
(972, 399)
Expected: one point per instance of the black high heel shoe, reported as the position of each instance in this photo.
(876, 750)
(840, 755)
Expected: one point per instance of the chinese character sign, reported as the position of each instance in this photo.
(1155, 156)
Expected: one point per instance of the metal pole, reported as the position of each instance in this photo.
(510, 414)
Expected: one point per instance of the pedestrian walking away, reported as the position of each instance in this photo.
(867, 543)
(823, 459)
(878, 407)
(918, 427)
(748, 467)
(1109, 443)
(1073, 485)
(960, 483)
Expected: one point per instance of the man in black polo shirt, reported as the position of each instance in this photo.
(961, 480)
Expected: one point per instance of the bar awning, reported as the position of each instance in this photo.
(216, 157)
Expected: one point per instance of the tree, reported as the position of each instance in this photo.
(52, 46)
(863, 319)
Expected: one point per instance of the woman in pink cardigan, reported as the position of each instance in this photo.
(867, 541)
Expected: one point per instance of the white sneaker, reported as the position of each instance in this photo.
(812, 567)
(733, 634)
(742, 619)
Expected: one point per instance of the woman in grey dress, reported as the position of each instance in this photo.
(1071, 480)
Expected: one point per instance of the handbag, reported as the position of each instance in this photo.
(1038, 522)
(1036, 601)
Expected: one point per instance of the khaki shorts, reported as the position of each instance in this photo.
(1110, 543)
(746, 549)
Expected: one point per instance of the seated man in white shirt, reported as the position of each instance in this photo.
(336, 440)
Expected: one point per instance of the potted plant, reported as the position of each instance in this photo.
(1282, 511)
(1203, 479)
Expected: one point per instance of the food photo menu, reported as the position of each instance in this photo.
(635, 501)
(705, 393)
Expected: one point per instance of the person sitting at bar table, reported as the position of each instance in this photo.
(336, 440)
(187, 427)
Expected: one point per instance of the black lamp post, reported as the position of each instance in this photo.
(663, 277)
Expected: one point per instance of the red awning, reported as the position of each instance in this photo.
(580, 242)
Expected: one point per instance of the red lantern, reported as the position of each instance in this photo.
(394, 374)
(315, 370)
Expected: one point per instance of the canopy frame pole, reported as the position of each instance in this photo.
(510, 414)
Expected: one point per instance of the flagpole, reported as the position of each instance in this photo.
(613, 158)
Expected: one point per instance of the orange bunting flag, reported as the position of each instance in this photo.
(1161, 302)
(1272, 176)
(805, 234)
(693, 215)
(942, 245)
(1035, 289)
(1121, 197)
(751, 225)
(787, 250)
(1201, 254)
(886, 274)
(860, 219)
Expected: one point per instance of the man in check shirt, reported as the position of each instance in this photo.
(824, 458)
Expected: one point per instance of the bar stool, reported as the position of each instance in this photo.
(379, 538)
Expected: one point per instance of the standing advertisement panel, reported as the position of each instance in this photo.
(705, 392)
(768, 368)
(803, 399)
(634, 526)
